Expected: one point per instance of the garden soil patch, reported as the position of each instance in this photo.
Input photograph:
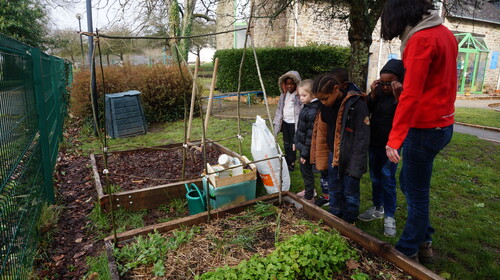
(239, 236)
(132, 170)
(65, 253)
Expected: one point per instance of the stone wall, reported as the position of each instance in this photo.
(313, 29)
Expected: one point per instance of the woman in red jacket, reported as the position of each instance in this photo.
(423, 123)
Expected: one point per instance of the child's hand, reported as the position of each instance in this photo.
(374, 85)
(302, 160)
(293, 147)
(397, 88)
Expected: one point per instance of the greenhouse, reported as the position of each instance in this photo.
(471, 63)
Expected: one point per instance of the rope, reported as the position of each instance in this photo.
(195, 143)
(90, 34)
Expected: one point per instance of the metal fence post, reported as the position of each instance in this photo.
(57, 97)
(42, 125)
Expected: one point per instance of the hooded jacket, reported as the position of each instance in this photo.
(278, 117)
(351, 139)
(383, 106)
(303, 135)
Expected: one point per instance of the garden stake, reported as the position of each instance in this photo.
(212, 89)
(239, 76)
(269, 116)
(184, 151)
(105, 147)
(193, 98)
(203, 138)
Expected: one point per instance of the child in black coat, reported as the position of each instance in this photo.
(303, 135)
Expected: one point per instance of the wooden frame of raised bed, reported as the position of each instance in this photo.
(152, 197)
(382, 249)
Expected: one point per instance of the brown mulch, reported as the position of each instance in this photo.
(216, 246)
(140, 169)
(64, 258)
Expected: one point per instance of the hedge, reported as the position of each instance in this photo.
(162, 89)
(308, 61)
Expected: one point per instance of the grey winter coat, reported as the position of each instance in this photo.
(278, 117)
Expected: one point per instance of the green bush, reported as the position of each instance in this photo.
(162, 89)
(308, 61)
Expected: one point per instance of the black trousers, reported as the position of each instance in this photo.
(288, 130)
(306, 169)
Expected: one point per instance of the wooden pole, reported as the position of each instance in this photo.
(212, 89)
(193, 98)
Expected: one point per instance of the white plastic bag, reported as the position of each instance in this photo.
(264, 146)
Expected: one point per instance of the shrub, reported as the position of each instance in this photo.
(162, 89)
(273, 62)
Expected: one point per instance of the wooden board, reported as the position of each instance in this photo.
(370, 243)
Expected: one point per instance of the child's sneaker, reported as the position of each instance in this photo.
(372, 213)
(322, 201)
(389, 227)
(301, 194)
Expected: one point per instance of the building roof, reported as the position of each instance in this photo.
(487, 11)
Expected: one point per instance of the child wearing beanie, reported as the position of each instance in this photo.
(382, 102)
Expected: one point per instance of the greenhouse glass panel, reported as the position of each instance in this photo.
(471, 63)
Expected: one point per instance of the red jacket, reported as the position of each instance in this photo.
(430, 84)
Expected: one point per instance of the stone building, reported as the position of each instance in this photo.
(300, 25)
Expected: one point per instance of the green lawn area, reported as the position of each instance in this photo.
(465, 194)
(487, 117)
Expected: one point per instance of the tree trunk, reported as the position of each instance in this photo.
(187, 27)
(362, 19)
(107, 58)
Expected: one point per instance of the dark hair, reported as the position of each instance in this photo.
(398, 14)
(340, 74)
(324, 83)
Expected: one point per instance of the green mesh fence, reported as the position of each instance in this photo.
(33, 104)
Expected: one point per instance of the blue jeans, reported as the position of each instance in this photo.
(419, 150)
(383, 176)
(344, 193)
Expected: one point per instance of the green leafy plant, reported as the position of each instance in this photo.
(151, 250)
(312, 255)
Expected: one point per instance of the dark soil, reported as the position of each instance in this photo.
(138, 169)
(64, 257)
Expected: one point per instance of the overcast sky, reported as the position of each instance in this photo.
(65, 17)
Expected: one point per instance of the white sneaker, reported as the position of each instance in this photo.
(389, 227)
(372, 213)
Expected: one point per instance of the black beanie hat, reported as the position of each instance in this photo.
(396, 67)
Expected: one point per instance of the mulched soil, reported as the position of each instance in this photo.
(71, 243)
(220, 243)
(133, 170)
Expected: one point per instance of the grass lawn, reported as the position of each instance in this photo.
(465, 198)
(487, 117)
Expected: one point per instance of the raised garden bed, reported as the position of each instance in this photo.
(151, 177)
(237, 232)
